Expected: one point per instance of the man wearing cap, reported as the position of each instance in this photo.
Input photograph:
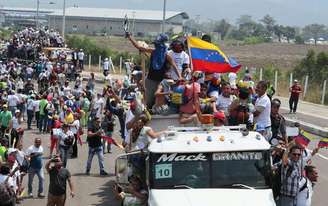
(5, 119)
(295, 91)
(158, 60)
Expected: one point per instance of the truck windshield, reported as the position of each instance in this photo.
(209, 170)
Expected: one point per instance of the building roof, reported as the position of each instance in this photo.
(213, 141)
(152, 15)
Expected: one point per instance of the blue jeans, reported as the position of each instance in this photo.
(99, 152)
(43, 123)
(40, 174)
(63, 154)
(30, 115)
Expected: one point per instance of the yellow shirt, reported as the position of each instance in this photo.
(69, 118)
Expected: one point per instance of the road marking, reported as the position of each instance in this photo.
(323, 157)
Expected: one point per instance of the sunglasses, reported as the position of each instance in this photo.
(296, 154)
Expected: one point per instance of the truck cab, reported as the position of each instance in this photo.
(195, 166)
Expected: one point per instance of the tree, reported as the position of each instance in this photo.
(279, 31)
(222, 27)
(269, 24)
(289, 33)
(314, 31)
(245, 19)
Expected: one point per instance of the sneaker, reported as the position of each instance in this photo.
(103, 173)
(30, 195)
(41, 195)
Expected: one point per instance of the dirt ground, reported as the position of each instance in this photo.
(279, 55)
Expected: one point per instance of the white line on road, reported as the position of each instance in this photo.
(323, 157)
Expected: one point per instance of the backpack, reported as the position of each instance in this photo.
(69, 141)
(179, 96)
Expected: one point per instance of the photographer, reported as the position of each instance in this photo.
(58, 178)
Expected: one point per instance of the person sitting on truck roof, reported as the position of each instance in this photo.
(135, 194)
(142, 134)
(162, 95)
(188, 111)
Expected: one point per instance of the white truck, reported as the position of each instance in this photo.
(193, 166)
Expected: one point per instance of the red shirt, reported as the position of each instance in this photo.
(295, 91)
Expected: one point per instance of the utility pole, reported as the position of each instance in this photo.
(164, 17)
(64, 10)
(37, 13)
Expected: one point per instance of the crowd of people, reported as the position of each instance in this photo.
(42, 92)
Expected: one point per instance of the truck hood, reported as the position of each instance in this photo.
(211, 197)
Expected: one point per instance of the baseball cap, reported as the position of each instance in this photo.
(219, 115)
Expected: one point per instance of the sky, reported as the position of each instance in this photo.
(286, 12)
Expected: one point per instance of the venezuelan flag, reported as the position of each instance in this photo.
(323, 143)
(209, 58)
(303, 138)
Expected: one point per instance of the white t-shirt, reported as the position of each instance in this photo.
(33, 149)
(263, 119)
(29, 70)
(15, 123)
(81, 55)
(179, 59)
(232, 79)
(106, 66)
(128, 118)
(99, 105)
(36, 104)
(67, 91)
(62, 136)
(223, 103)
(75, 126)
(10, 180)
(143, 139)
(305, 196)
(30, 104)
(13, 100)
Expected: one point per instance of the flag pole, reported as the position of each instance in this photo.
(190, 58)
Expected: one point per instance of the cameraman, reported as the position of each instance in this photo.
(58, 178)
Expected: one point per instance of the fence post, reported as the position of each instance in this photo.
(261, 74)
(121, 62)
(323, 92)
(99, 63)
(306, 85)
(291, 79)
(89, 62)
(276, 80)
(111, 64)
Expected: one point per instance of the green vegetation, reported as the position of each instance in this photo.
(92, 47)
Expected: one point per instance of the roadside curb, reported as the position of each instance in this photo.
(311, 128)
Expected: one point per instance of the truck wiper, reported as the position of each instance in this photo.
(239, 185)
(244, 186)
(182, 186)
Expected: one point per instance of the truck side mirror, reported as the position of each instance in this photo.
(122, 170)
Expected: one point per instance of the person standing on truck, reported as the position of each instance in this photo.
(158, 65)
(295, 92)
(263, 110)
(278, 124)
